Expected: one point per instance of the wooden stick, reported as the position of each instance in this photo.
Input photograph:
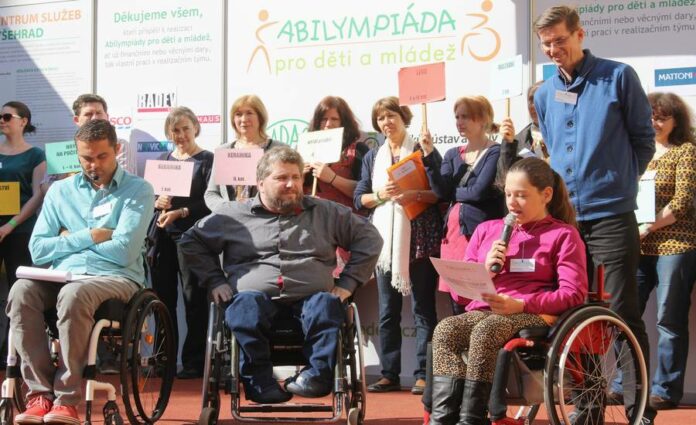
(314, 186)
(507, 107)
(424, 117)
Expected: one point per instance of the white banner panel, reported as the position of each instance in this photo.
(156, 55)
(46, 61)
(654, 37)
(291, 54)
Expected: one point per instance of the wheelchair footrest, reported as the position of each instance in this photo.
(277, 408)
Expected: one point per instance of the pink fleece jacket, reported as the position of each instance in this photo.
(559, 279)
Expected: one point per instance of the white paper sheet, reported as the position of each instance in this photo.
(36, 273)
(469, 280)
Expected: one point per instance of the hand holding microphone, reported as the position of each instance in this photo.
(496, 256)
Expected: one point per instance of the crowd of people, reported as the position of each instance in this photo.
(570, 179)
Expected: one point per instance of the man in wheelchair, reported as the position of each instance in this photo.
(279, 251)
(91, 224)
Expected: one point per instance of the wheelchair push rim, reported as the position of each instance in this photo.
(592, 348)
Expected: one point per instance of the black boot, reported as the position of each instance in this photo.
(447, 396)
(474, 409)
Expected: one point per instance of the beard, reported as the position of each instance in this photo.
(286, 206)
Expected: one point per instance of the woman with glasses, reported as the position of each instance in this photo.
(668, 245)
(25, 166)
(249, 119)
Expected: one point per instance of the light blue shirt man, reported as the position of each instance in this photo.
(72, 204)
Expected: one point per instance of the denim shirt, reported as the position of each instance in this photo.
(126, 206)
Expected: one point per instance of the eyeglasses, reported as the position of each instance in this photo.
(7, 117)
(661, 119)
(558, 42)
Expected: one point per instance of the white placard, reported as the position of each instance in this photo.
(469, 280)
(48, 275)
(506, 78)
(646, 201)
(403, 170)
(321, 146)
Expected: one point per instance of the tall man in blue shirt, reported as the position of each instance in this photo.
(93, 223)
(596, 121)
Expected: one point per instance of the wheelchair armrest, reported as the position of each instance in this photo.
(534, 333)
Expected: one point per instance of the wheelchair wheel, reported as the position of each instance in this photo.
(148, 360)
(358, 386)
(591, 349)
(212, 373)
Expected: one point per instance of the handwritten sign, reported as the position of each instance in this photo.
(9, 198)
(171, 178)
(469, 280)
(321, 146)
(61, 157)
(236, 166)
(506, 78)
(422, 84)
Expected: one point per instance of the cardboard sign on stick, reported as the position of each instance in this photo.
(171, 178)
(321, 146)
(9, 198)
(506, 78)
(61, 157)
(422, 84)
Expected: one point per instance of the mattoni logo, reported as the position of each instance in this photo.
(156, 101)
(675, 77)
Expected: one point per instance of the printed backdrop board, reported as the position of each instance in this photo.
(46, 61)
(292, 54)
(156, 55)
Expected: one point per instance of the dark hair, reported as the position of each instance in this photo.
(671, 105)
(351, 129)
(555, 15)
(96, 130)
(281, 153)
(479, 108)
(541, 176)
(87, 98)
(390, 103)
(24, 112)
(175, 114)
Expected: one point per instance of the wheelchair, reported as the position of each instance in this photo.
(570, 368)
(141, 333)
(222, 373)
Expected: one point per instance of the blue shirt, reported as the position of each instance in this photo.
(601, 144)
(126, 206)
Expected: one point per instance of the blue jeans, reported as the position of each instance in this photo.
(673, 278)
(251, 316)
(423, 282)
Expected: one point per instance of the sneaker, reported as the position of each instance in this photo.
(37, 408)
(418, 387)
(62, 415)
(509, 421)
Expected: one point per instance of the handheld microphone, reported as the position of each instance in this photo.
(93, 176)
(505, 237)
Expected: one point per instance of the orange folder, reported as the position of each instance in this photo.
(409, 174)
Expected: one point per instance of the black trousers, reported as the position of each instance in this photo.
(168, 268)
(14, 252)
(614, 242)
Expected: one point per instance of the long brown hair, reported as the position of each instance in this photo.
(671, 105)
(351, 129)
(541, 176)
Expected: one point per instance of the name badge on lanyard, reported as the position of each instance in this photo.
(101, 210)
(522, 265)
(566, 97)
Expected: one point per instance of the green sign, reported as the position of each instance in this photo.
(61, 157)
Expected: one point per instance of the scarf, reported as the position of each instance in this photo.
(393, 224)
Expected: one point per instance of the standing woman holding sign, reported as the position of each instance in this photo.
(466, 178)
(24, 164)
(173, 216)
(249, 119)
(668, 245)
(404, 266)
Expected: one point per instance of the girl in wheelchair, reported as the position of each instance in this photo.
(544, 273)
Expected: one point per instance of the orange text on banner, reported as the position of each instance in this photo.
(9, 198)
(422, 84)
